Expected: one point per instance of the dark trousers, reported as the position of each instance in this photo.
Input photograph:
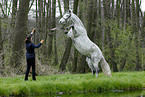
(30, 63)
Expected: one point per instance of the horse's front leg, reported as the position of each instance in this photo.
(70, 26)
(96, 68)
(90, 64)
(96, 61)
(66, 29)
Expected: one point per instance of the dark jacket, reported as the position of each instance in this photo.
(30, 50)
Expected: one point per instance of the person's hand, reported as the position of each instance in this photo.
(33, 31)
(41, 41)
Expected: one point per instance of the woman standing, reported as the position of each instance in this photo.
(30, 55)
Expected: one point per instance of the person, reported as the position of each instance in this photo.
(30, 55)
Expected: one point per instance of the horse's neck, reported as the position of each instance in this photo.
(76, 20)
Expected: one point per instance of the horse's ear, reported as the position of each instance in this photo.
(69, 11)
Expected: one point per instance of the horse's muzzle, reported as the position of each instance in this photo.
(61, 21)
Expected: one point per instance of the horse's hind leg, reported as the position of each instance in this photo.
(96, 68)
(95, 64)
(90, 64)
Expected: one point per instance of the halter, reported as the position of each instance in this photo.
(66, 18)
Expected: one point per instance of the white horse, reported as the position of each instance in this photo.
(83, 44)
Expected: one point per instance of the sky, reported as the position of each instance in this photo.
(57, 10)
(143, 5)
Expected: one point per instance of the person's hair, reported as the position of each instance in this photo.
(28, 39)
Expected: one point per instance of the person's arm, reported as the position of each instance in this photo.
(32, 32)
(37, 46)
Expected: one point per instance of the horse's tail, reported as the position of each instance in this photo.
(105, 67)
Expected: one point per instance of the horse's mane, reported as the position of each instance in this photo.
(77, 20)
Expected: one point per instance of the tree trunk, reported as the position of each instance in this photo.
(112, 12)
(1, 42)
(1, 48)
(60, 8)
(84, 65)
(47, 22)
(89, 26)
(106, 5)
(14, 11)
(95, 34)
(138, 64)
(123, 62)
(66, 5)
(65, 57)
(89, 19)
(21, 28)
(124, 11)
(66, 54)
(74, 66)
(117, 12)
(128, 12)
(54, 26)
(80, 65)
(44, 28)
(50, 38)
(143, 41)
(143, 32)
(37, 33)
(102, 26)
(37, 23)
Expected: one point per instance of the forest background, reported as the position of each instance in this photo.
(116, 26)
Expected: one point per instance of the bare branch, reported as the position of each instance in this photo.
(31, 5)
(2, 10)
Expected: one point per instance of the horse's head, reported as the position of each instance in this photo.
(65, 17)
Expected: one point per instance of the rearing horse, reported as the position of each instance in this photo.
(83, 44)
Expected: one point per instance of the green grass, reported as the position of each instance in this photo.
(72, 83)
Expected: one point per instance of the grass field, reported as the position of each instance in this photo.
(72, 83)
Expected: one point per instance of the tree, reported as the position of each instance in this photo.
(106, 5)
(90, 19)
(66, 54)
(53, 26)
(21, 28)
(124, 13)
(5, 8)
(138, 65)
(66, 5)
(102, 26)
(128, 12)
(1, 46)
(143, 32)
(14, 11)
(74, 66)
(80, 66)
(51, 35)
(60, 8)
(89, 26)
